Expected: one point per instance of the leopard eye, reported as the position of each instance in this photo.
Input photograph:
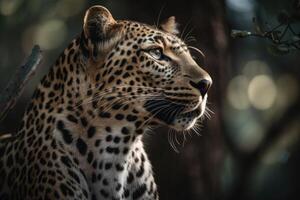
(156, 53)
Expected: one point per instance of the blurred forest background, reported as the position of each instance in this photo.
(250, 148)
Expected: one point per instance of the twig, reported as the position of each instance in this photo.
(14, 88)
(275, 36)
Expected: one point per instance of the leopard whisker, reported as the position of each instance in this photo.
(153, 115)
(209, 110)
(188, 33)
(185, 28)
(176, 139)
(190, 39)
(171, 140)
(197, 50)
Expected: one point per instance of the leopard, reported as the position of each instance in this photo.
(81, 136)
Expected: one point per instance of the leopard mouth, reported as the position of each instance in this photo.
(190, 114)
(169, 111)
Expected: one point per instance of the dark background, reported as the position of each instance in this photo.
(249, 149)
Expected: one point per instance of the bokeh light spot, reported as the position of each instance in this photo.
(8, 7)
(250, 136)
(255, 67)
(237, 92)
(68, 8)
(240, 6)
(262, 92)
(51, 34)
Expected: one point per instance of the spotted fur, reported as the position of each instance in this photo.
(80, 137)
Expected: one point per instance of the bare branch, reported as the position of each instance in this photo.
(14, 88)
(280, 42)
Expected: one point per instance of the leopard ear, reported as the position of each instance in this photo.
(102, 30)
(170, 26)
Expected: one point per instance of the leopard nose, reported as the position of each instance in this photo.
(202, 85)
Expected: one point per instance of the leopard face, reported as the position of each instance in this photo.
(147, 68)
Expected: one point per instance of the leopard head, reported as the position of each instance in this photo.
(146, 68)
